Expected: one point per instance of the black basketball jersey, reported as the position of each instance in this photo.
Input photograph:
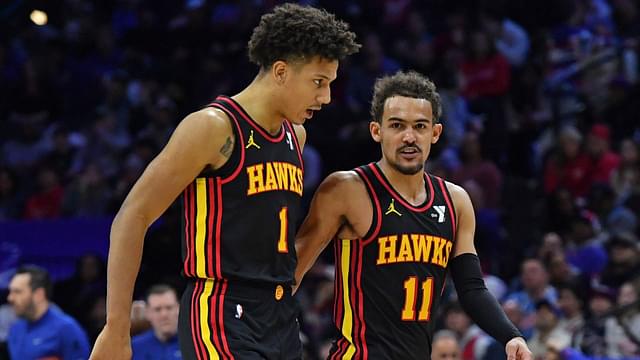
(388, 282)
(239, 220)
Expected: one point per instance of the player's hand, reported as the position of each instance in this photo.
(112, 344)
(517, 349)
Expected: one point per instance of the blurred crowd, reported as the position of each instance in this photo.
(541, 111)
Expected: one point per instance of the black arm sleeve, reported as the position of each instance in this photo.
(477, 301)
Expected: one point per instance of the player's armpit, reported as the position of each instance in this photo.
(328, 212)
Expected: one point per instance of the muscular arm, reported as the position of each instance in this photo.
(473, 295)
(331, 213)
(183, 158)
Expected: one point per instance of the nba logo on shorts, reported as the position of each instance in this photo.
(238, 311)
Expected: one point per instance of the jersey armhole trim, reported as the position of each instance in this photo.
(240, 141)
(452, 210)
(376, 216)
(295, 142)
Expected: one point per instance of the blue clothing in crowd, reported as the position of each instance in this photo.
(54, 334)
(147, 346)
(572, 354)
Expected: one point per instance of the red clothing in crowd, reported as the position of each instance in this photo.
(603, 167)
(44, 205)
(574, 174)
(486, 77)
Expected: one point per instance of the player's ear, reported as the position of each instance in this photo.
(437, 131)
(374, 129)
(279, 71)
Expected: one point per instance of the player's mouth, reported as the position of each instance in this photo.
(308, 114)
(310, 111)
(409, 152)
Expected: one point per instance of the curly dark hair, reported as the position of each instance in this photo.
(410, 84)
(293, 32)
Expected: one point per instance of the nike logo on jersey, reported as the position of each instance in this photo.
(418, 248)
(392, 209)
(272, 176)
(252, 142)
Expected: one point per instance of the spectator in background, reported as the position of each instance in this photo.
(603, 160)
(514, 312)
(560, 211)
(88, 195)
(77, 294)
(568, 166)
(592, 337)
(46, 203)
(445, 346)
(625, 180)
(535, 287)
(511, 39)
(622, 332)
(62, 153)
(571, 303)
(481, 171)
(472, 341)
(43, 329)
(161, 342)
(547, 327)
(624, 260)
(486, 76)
(584, 249)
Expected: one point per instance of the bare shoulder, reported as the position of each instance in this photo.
(213, 122)
(208, 128)
(301, 134)
(456, 190)
(343, 183)
(459, 196)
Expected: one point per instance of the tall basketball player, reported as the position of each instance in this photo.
(238, 165)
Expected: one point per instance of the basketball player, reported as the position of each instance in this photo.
(238, 165)
(397, 230)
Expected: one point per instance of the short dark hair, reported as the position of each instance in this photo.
(294, 32)
(39, 278)
(160, 289)
(409, 84)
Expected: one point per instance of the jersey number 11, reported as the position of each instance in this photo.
(411, 297)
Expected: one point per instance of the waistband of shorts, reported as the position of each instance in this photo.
(254, 289)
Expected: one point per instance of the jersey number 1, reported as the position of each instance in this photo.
(282, 243)
(411, 296)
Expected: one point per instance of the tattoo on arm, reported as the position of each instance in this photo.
(227, 148)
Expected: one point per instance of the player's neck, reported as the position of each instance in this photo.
(257, 101)
(411, 187)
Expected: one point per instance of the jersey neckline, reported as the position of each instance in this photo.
(262, 131)
(426, 204)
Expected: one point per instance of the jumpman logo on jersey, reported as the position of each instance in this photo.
(392, 208)
(251, 142)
